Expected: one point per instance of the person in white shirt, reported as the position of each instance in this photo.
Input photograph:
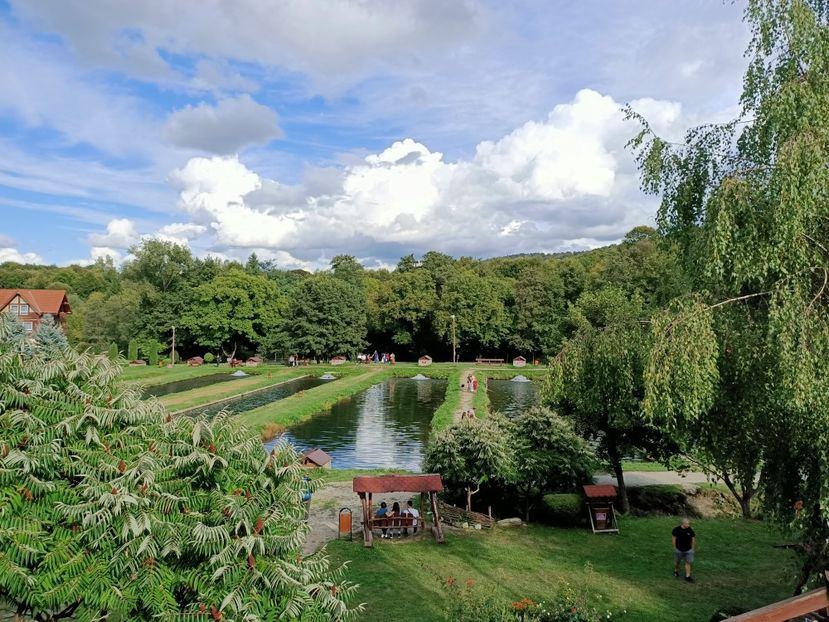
(414, 514)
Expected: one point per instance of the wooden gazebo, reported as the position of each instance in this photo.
(366, 485)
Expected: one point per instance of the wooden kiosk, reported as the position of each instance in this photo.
(366, 485)
(599, 499)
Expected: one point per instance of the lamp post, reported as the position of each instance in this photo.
(453, 340)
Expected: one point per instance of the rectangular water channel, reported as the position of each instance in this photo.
(385, 426)
(258, 397)
(511, 398)
(185, 385)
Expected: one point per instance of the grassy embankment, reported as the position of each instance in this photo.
(273, 417)
(148, 376)
(736, 566)
(202, 396)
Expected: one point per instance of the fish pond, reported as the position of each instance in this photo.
(511, 398)
(259, 397)
(185, 385)
(385, 426)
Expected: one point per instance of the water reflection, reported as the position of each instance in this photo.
(385, 426)
(511, 398)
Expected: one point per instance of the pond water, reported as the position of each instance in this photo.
(385, 426)
(261, 397)
(185, 385)
(511, 398)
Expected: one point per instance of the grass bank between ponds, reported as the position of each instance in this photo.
(445, 414)
(150, 376)
(305, 404)
(204, 396)
(737, 566)
(271, 419)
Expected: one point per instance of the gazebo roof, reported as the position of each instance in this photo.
(600, 491)
(398, 483)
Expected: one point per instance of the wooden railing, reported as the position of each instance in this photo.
(454, 515)
(489, 361)
(397, 522)
(814, 602)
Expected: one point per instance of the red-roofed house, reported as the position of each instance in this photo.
(30, 305)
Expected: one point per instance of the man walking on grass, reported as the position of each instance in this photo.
(685, 541)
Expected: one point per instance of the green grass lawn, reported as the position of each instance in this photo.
(147, 375)
(642, 466)
(223, 390)
(736, 566)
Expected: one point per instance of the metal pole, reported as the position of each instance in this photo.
(454, 360)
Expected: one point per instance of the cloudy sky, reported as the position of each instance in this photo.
(300, 129)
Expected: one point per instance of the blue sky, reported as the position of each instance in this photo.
(302, 129)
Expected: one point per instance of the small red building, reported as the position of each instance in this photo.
(316, 458)
(31, 305)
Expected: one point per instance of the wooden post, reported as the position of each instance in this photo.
(422, 514)
(367, 535)
(436, 528)
(369, 532)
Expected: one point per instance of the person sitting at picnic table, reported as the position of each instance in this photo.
(413, 514)
(395, 513)
(382, 512)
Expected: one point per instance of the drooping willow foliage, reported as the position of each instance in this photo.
(749, 202)
(111, 509)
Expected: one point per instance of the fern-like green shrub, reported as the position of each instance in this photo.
(112, 509)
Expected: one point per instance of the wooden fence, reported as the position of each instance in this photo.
(454, 515)
(814, 605)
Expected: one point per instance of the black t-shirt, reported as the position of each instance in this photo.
(684, 536)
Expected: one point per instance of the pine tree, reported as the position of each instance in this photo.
(113, 351)
(49, 338)
(110, 508)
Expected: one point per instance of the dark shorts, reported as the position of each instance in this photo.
(687, 556)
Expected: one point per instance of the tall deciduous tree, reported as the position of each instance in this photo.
(235, 308)
(749, 201)
(597, 377)
(325, 318)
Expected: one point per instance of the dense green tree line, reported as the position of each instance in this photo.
(502, 307)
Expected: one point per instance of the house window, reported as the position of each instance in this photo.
(13, 309)
(28, 326)
(24, 309)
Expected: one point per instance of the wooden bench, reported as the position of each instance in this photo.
(489, 361)
(397, 522)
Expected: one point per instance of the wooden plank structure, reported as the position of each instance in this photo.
(453, 515)
(489, 361)
(600, 498)
(814, 602)
(367, 485)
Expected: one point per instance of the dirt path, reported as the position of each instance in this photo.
(325, 508)
(466, 396)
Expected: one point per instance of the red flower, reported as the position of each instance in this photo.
(470, 583)
(450, 580)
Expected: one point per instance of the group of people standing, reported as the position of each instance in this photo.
(408, 518)
(471, 384)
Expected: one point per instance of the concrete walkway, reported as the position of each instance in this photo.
(647, 478)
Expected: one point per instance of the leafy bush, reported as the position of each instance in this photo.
(564, 509)
(209, 357)
(660, 500)
(112, 509)
(473, 604)
(113, 351)
(151, 349)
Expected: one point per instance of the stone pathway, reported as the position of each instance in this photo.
(647, 478)
(466, 396)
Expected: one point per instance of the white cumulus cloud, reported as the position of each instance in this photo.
(564, 182)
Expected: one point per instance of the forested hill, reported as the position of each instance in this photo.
(503, 306)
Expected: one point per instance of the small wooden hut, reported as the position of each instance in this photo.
(254, 361)
(338, 360)
(424, 361)
(195, 361)
(316, 459)
(600, 510)
(519, 361)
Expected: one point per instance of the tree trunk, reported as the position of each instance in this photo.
(616, 464)
(624, 505)
(743, 498)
